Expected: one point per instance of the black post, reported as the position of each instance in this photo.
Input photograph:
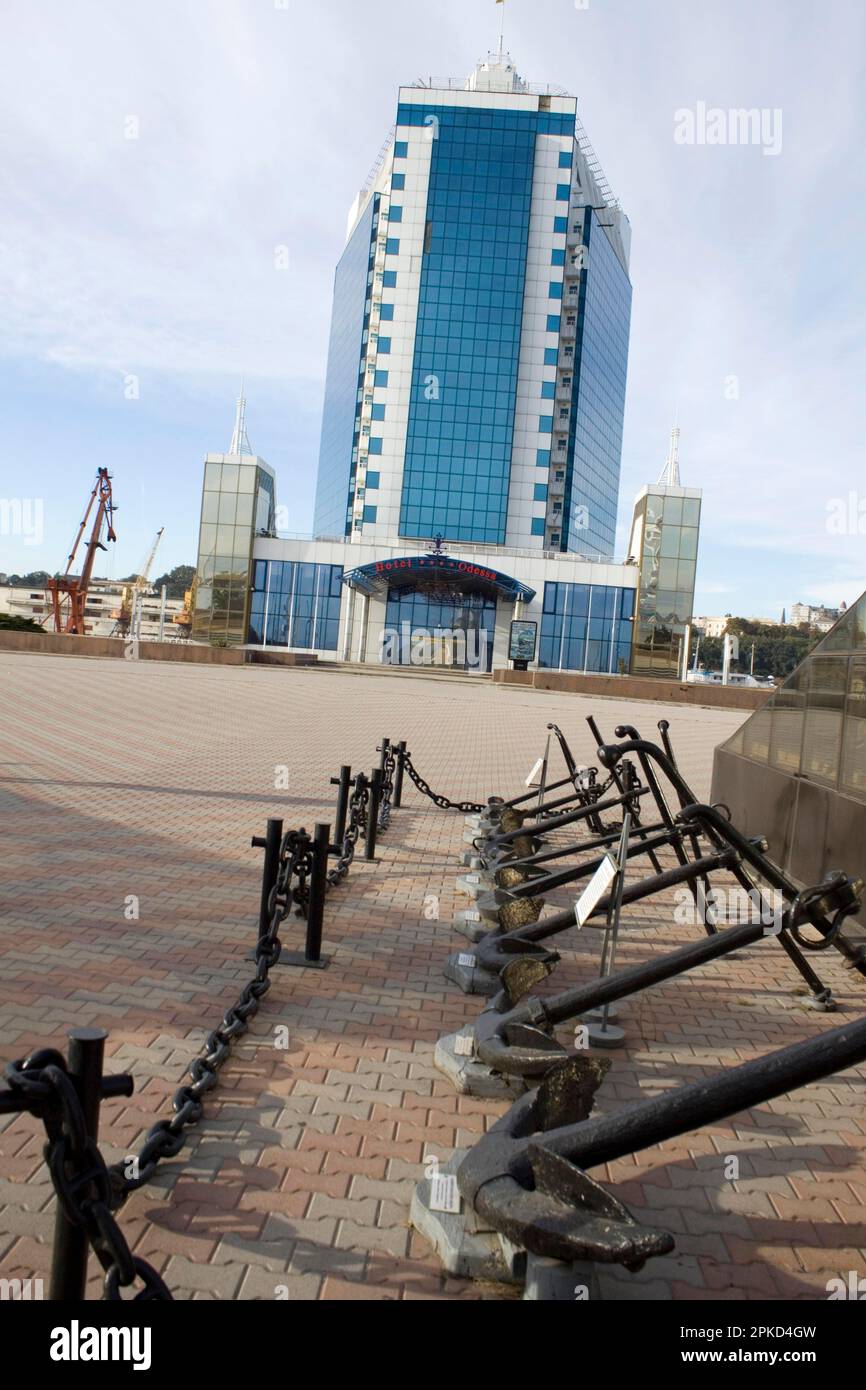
(311, 956)
(383, 750)
(373, 813)
(343, 783)
(270, 843)
(398, 774)
(71, 1248)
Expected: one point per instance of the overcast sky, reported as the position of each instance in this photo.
(154, 156)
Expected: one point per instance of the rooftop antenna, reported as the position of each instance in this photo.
(670, 476)
(501, 29)
(240, 439)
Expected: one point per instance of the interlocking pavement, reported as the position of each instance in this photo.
(129, 793)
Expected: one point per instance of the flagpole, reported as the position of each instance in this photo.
(501, 26)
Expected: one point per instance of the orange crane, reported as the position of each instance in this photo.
(74, 587)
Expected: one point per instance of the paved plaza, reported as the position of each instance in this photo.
(125, 781)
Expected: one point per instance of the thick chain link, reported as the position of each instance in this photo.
(468, 807)
(82, 1181)
(356, 821)
(166, 1138)
(389, 767)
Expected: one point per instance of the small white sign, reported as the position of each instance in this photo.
(444, 1195)
(470, 878)
(465, 959)
(471, 916)
(534, 777)
(595, 889)
(464, 1045)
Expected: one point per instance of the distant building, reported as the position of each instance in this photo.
(816, 615)
(101, 614)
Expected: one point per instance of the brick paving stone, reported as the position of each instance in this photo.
(301, 1171)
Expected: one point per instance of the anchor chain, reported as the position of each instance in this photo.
(166, 1138)
(82, 1181)
(388, 769)
(356, 821)
(468, 807)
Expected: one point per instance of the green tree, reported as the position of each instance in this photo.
(177, 581)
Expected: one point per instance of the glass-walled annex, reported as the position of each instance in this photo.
(295, 605)
(586, 627)
(237, 503)
(814, 726)
(668, 525)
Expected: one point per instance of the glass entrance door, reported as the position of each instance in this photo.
(426, 628)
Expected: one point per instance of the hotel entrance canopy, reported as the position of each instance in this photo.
(377, 577)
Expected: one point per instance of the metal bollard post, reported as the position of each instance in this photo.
(311, 956)
(71, 1248)
(343, 783)
(270, 843)
(398, 773)
(373, 813)
(383, 750)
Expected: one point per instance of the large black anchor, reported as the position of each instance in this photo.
(516, 1038)
(527, 1178)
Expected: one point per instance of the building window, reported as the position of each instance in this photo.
(563, 192)
(553, 323)
(540, 492)
(395, 213)
(557, 257)
(392, 246)
(375, 444)
(555, 291)
(542, 458)
(389, 279)
(401, 149)
(377, 412)
(538, 526)
(548, 390)
(565, 159)
(398, 181)
(380, 379)
(372, 482)
(560, 225)
(295, 605)
(385, 345)
(586, 627)
(545, 424)
(386, 311)
(551, 357)
(369, 513)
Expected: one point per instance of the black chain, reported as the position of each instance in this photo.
(82, 1181)
(388, 769)
(356, 821)
(166, 1138)
(469, 807)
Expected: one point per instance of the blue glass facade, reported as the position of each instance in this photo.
(586, 627)
(340, 422)
(295, 605)
(595, 427)
(458, 446)
(411, 609)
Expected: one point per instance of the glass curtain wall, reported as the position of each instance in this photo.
(237, 502)
(586, 627)
(814, 726)
(668, 560)
(296, 605)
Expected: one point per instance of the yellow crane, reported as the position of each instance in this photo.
(136, 586)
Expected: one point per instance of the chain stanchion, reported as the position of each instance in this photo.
(311, 956)
(343, 784)
(387, 765)
(66, 1098)
(373, 814)
(355, 825)
(399, 759)
(270, 843)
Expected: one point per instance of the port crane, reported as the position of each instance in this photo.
(69, 591)
(138, 585)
